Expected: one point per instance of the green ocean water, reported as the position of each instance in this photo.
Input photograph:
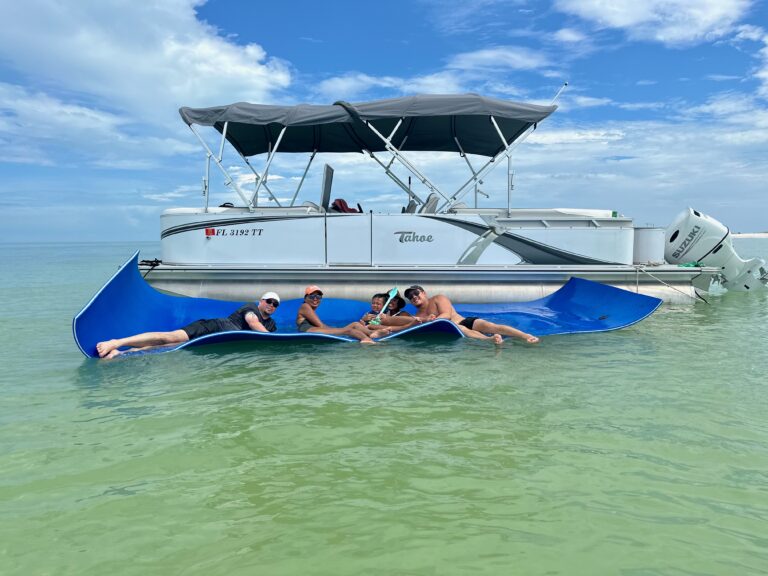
(642, 451)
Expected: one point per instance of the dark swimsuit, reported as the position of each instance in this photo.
(304, 326)
(468, 322)
(235, 321)
(204, 327)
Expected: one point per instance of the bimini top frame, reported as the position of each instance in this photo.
(465, 123)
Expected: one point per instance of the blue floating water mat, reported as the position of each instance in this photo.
(127, 305)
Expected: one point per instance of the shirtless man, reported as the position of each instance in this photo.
(440, 307)
(255, 317)
(307, 320)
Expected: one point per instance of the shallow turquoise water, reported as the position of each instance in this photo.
(642, 451)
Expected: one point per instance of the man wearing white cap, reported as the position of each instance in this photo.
(256, 317)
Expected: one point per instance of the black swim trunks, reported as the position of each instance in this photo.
(304, 326)
(202, 327)
(468, 322)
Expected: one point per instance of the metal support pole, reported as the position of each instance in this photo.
(562, 88)
(229, 181)
(510, 185)
(223, 139)
(395, 179)
(499, 132)
(312, 157)
(464, 155)
(478, 191)
(206, 181)
(257, 178)
(490, 165)
(392, 160)
(405, 162)
(254, 199)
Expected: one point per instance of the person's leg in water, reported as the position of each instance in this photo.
(470, 333)
(369, 331)
(364, 334)
(109, 348)
(348, 330)
(481, 325)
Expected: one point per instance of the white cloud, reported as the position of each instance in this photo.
(590, 102)
(462, 17)
(723, 77)
(572, 136)
(643, 105)
(735, 109)
(671, 22)
(356, 85)
(500, 57)
(349, 86)
(145, 58)
(760, 72)
(104, 81)
(179, 192)
(39, 115)
(39, 128)
(569, 36)
(439, 83)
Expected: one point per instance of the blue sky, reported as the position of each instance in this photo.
(667, 104)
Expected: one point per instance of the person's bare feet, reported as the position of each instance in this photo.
(106, 347)
(381, 333)
(114, 354)
(367, 341)
(531, 339)
(497, 339)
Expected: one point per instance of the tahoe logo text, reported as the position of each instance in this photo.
(413, 237)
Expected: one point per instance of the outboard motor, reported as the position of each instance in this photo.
(696, 237)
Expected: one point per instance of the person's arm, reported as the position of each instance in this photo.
(367, 318)
(311, 316)
(254, 323)
(444, 307)
(400, 320)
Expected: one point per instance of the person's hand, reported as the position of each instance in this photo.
(431, 317)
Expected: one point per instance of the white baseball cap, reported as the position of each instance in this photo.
(272, 295)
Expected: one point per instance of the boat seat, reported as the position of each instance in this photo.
(458, 206)
(411, 208)
(312, 206)
(430, 204)
(325, 197)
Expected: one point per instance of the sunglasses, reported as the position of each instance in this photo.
(272, 302)
(315, 296)
(414, 294)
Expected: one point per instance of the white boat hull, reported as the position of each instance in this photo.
(480, 284)
(472, 255)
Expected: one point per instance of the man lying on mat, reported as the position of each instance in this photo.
(256, 317)
(440, 307)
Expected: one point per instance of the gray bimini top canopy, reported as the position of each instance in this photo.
(466, 123)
